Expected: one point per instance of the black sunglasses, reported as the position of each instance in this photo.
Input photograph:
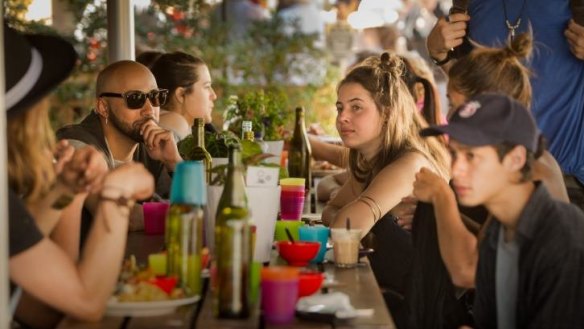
(136, 99)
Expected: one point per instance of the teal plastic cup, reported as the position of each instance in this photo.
(316, 233)
(188, 184)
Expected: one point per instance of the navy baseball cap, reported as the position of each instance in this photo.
(490, 119)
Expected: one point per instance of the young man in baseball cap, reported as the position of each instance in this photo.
(531, 257)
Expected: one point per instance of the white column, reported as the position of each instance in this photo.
(63, 19)
(4, 287)
(120, 30)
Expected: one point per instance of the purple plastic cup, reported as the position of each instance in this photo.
(154, 217)
(279, 294)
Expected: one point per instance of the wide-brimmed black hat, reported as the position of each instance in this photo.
(34, 65)
(490, 119)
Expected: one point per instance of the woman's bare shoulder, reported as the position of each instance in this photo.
(411, 160)
(175, 122)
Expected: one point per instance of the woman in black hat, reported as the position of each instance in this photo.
(44, 178)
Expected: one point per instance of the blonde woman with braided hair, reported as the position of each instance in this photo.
(378, 121)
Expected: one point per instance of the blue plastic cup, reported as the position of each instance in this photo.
(317, 233)
(188, 184)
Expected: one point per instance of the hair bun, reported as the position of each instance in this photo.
(391, 63)
(521, 46)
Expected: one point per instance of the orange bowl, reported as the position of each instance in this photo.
(298, 253)
(309, 282)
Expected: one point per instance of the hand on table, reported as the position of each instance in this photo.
(404, 212)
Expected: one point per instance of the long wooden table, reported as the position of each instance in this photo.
(358, 283)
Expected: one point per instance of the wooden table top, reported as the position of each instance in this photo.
(358, 283)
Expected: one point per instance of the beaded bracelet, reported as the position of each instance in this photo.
(120, 201)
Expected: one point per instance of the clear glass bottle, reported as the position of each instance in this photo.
(299, 154)
(233, 253)
(200, 153)
(184, 226)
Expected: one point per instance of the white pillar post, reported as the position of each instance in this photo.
(120, 30)
(5, 316)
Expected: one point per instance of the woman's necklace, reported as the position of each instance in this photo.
(512, 27)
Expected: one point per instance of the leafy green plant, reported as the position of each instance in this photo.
(268, 112)
(217, 144)
(264, 58)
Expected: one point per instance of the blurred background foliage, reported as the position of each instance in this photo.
(263, 59)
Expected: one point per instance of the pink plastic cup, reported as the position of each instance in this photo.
(291, 204)
(279, 294)
(154, 217)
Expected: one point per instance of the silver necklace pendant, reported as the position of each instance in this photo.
(512, 28)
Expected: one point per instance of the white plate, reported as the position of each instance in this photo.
(156, 308)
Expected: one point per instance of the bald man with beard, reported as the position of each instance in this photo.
(124, 127)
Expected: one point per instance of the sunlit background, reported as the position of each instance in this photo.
(370, 13)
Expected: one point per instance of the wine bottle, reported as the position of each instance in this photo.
(233, 254)
(246, 131)
(200, 152)
(299, 152)
(184, 226)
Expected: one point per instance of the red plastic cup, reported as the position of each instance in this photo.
(154, 217)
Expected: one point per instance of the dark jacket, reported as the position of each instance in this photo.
(89, 131)
(550, 292)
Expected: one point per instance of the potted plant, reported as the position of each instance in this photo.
(217, 144)
(263, 200)
(268, 112)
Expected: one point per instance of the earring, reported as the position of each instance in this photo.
(106, 121)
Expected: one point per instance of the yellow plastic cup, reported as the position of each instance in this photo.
(157, 262)
(292, 181)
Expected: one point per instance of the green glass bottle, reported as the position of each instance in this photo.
(233, 255)
(200, 153)
(184, 226)
(299, 152)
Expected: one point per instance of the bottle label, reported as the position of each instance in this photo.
(236, 227)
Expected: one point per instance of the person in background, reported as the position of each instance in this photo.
(500, 70)
(190, 88)
(531, 257)
(557, 67)
(149, 57)
(124, 127)
(240, 14)
(303, 16)
(43, 179)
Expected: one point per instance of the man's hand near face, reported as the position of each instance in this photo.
(160, 144)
